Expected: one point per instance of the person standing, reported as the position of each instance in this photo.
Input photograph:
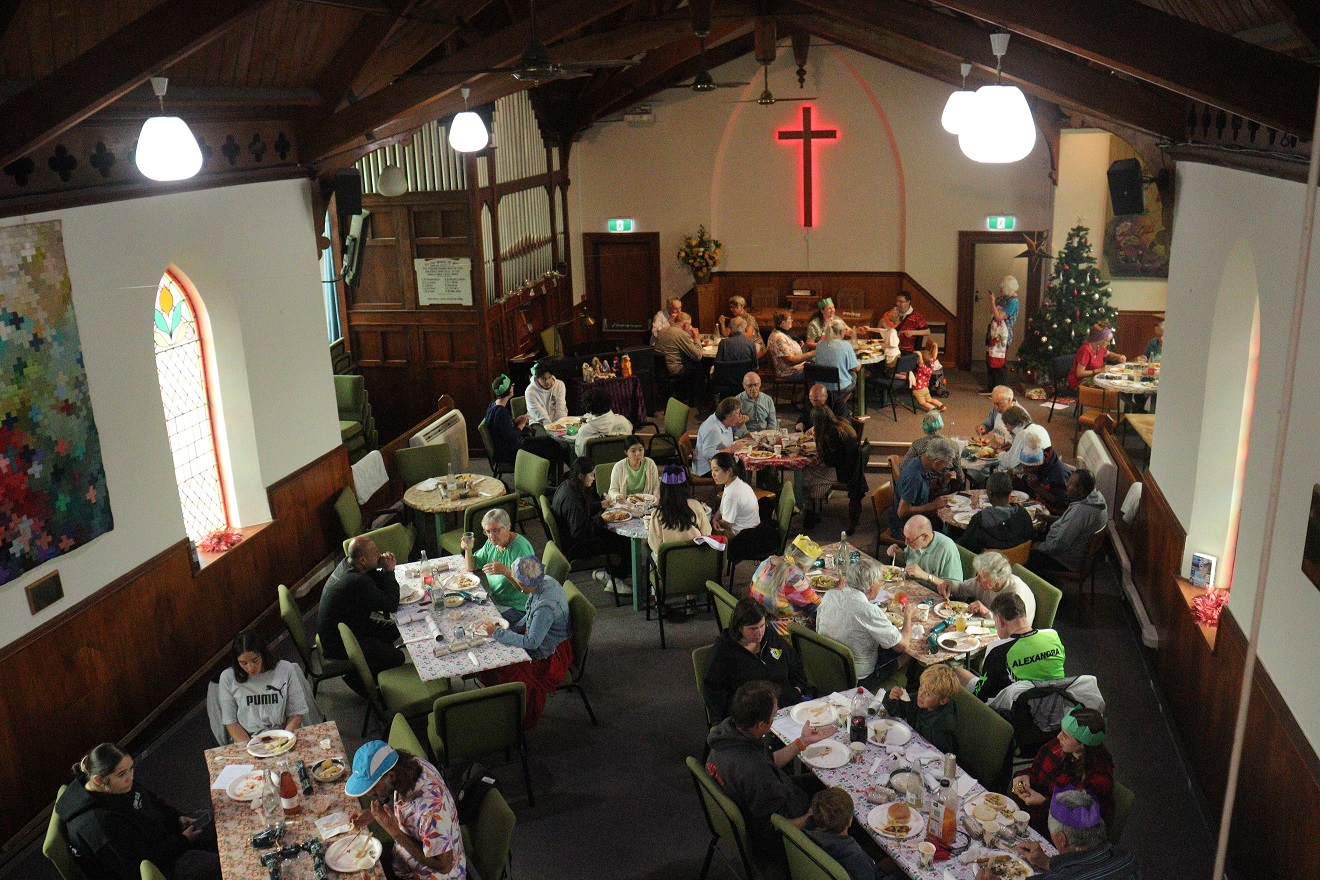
(911, 324)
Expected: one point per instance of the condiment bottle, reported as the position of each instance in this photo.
(857, 726)
(289, 793)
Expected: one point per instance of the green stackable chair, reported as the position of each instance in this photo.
(680, 570)
(806, 860)
(828, 663)
(398, 690)
(478, 722)
(531, 478)
(724, 603)
(556, 563)
(582, 619)
(318, 666)
(1047, 596)
(1124, 800)
(56, 846)
(488, 841)
(393, 538)
(725, 822)
(985, 740)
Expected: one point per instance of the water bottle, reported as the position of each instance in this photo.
(857, 726)
(843, 555)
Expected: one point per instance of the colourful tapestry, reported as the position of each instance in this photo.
(52, 485)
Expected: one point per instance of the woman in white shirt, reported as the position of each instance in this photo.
(678, 516)
(257, 693)
(635, 474)
(849, 615)
(547, 398)
(738, 507)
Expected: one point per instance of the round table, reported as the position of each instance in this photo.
(435, 500)
(979, 502)
(1128, 382)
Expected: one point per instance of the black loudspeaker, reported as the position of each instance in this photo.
(348, 192)
(1125, 191)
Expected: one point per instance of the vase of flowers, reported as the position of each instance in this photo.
(700, 253)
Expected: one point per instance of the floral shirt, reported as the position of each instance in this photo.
(795, 598)
(429, 816)
(782, 346)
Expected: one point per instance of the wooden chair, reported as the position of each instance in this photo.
(895, 467)
(1091, 402)
(806, 860)
(1018, 555)
(882, 502)
(828, 664)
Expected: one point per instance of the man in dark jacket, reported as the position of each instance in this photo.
(1078, 833)
(1065, 547)
(1002, 524)
(362, 583)
(752, 774)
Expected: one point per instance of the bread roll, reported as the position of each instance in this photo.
(899, 813)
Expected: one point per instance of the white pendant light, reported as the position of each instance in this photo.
(467, 133)
(166, 148)
(999, 128)
(957, 108)
(392, 181)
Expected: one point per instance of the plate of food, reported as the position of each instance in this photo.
(328, 770)
(895, 618)
(556, 426)
(957, 501)
(823, 581)
(616, 515)
(890, 573)
(817, 713)
(979, 629)
(571, 420)
(826, 754)
(1018, 497)
(897, 821)
(889, 731)
(760, 454)
(1006, 865)
(640, 498)
(271, 743)
(991, 805)
(464, 580)
(958, 643)
(357, 852)
(950, 609)
(985, 452)
(247, 787)
(964, 517)
(410, 593)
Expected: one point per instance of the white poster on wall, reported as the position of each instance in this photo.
(444, 282)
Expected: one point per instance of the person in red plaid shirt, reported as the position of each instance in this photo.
(1077, 758)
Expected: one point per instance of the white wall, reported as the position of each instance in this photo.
(250, 251)
(894, 189)
(1237, 238)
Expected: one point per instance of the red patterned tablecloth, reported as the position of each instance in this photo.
(626, 396)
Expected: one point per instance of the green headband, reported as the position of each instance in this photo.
(827, 301)
(501, 385)
(1080, 732)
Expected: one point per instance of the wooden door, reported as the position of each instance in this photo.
(623, 283)
(968, 313)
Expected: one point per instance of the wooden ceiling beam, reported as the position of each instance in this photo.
(1306, 19)
(375, 117)
(1035, 68)
(336, 80)
(1174, 54)
(740, 45)
(121, 62)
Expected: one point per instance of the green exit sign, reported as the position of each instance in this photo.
(621, 224)
(1001, 222)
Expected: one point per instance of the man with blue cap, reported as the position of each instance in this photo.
(1078, 833)
(412, 803)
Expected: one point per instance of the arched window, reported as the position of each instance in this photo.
(186, 396)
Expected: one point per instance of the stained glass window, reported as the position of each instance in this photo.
(185, 396)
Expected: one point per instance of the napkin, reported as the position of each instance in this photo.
(966, 783)
(786, 728)
(428, 485)
(229, 774)
(403, 618)
(335, 823)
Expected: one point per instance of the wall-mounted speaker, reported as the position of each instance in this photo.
(348, 192)
(1125, 190)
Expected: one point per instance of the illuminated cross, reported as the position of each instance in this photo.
(808, 135)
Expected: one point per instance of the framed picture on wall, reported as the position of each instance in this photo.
(1203, 570)
(1311, 549)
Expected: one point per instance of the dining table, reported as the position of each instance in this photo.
(440, 497)
(865, 779)
(236, 821)
(868, 354)
(797, 450)
(966, 504)
(442, 640)
(1129, 380)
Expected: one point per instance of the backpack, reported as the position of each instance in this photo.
(469, 789)
(938, 386)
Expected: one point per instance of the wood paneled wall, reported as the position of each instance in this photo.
(1134, 330)
(104, 668)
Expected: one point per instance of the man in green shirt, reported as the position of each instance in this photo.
(928, 556)
(503, 547)
(1021, 654)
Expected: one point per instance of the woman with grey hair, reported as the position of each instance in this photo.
(849, 614)
(501, 547)
(994, 575)
(543, 632)
(932, 424)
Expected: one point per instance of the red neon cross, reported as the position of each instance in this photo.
(807, 135)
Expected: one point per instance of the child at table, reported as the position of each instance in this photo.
(927, 359)
(933, 715)
(831, 817)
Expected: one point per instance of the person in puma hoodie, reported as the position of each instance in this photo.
(1002, 524)
(112, 825)
(1064, 548)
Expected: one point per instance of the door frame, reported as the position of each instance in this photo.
(591, 278)
(1030, 294)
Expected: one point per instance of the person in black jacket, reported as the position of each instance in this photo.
(751, 651)
(113, 826)
(1001, 525)
(362, 583)
(577, 507)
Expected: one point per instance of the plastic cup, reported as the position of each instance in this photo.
(469, 539)
(960, 623)
(925, 853)
(990, 831)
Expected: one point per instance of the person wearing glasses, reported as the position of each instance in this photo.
(503, 547)
(926, 555)
(112, 825)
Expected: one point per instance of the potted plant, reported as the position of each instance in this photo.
(700, 253)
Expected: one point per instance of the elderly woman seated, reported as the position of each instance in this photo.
(503, 547)
(849, 615)
(543, 632)
(994, 575)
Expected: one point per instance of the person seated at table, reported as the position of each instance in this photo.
(577, 507)
(1022, 653)
(932, 426)
(1078, 832)
(505, 430)
(751, 650)
(259, 693)
(781, 587)
(1001, 525)
(817, 397)
(1046, 474)
(927, 356)
(914, 493)
(664, 318)
(739, 515)
(678, 516)
(838, 447)
(634, 474)
(1155, 348)
(601, 420)
(1075, 759)
(926, 555)
(752, 773)
(887, 333)
(411, 803)
(848, 614)
(1016, 421)
(838, 353)
(718, 434)
(496, 557)
(113, 825)
(1064, 548)
(786, 352)
(1093, 355)
(547, 398)
(361, 585)
(993, 576)
(825, 317)
(758, 408)
(911, 323)
(831, 817)
(992, 431)
(543, 632)
(678, 344)
(933, 715)
(750, 329)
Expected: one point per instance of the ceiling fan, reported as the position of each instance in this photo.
(766, 98)
(703, 81)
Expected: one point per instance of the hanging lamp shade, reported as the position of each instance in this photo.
(166, 148)
(392, 181)
(467, 133)
(957, 109)
(999, 127)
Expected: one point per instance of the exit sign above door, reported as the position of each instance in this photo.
(1001, 222)
(620, 224)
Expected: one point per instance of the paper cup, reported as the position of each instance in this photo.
(856, 750)
(1021, 821)
(925, 853)
(990, 831)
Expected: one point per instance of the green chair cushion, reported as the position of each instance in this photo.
(405, 693)
(349, 430)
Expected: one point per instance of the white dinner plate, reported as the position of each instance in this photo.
(411, 593)
(944, 611)
(958, 643)
(964, 517)
(889, 731)
(819, 712)
(878, 819)
(271, 743)
(959, 501)
(1018, 497)
(1001, 803)
(341, 855)
(464, 580)
(246, 787)
(1013, 867)
(826, 754)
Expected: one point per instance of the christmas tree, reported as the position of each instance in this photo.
(1076, 300)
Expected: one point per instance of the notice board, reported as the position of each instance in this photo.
(444, 281)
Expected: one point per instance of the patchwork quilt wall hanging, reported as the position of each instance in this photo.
(52, 484)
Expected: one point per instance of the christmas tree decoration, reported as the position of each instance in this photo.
(1076, 300)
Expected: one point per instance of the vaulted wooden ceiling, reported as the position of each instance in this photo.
(316, 84)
